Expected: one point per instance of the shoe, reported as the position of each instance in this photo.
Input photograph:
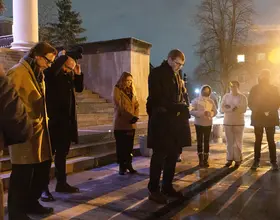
(172, 193)
(179, 159)
(47, 196)
(19, 216)
(130, 168)
(229, 163)
(66, 188)
(274, 166)
(200, 158)
(158, 197)
(255, 165)
(205, 160)
(237, 164)
(122, 169)
(38, 209)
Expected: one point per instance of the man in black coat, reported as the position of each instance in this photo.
(63, 79)
(168, 115)
(264, 101)
(15, 127)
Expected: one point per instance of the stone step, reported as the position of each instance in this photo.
(86, 120)
(89, 108)
(105, 133)
(87, 94)
(91, 142)
(90, 100)
(79, 164)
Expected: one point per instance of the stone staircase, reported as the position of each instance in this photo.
(93, 110)
(96, 139)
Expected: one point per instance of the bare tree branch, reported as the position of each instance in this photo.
(224, 25)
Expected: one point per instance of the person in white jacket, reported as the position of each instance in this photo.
(203, 109)
(234, 105)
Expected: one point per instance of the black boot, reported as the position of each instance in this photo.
(255, 165)
(205, 160)
(47, 196)
(130, 168)
(38, 209)
(66, 188)
(200, 157)
(122, 169)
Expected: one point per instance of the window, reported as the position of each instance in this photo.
(241, 58)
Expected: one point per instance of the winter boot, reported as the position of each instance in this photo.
(200, 157)
(205, 160)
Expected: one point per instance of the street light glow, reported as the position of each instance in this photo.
(240, 58)
(196, 91)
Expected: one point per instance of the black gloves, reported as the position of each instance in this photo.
(134, 120)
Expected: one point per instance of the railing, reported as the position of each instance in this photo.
(6, 41)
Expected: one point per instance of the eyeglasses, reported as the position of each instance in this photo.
(48, 61)
(180, 64)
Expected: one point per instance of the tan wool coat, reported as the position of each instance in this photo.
(125, 110)
(38, 148)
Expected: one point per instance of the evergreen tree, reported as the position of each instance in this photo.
(66, 32)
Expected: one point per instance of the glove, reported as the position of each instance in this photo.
(134, 120)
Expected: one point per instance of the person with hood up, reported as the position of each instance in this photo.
(203, 109)
(234, 105)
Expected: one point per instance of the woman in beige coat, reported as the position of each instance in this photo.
(31, 160)
(125, 118)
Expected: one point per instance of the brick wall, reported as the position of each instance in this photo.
(9, 57)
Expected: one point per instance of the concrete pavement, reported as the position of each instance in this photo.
(106, 195)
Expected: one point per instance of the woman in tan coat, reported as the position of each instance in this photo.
(125, 118)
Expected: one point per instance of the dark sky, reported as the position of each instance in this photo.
(163, 23)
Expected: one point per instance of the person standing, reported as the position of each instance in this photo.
(186, 130)
(125, 118)
(31, 160)
(167, 113)
(234, 105)
(15, 127)
(264, 101)
(203, 109)
(62, 79)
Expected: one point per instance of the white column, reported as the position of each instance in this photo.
(25, 24)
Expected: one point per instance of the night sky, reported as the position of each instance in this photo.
(163, 23)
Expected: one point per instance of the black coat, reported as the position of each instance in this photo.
(264, 98)
(61, 102)
(168, 125)
(15, 127)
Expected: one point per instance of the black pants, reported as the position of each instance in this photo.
(61, 152)
(27, 182)
(270, 131)
(124, 145)
(162, 160)
(203, 138)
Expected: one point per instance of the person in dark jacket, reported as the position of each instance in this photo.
(167, 116)
(186, 129)
(264, 101)
(62, 79)
(14, 124)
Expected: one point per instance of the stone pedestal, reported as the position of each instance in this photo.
(25, 24)
(104, 62)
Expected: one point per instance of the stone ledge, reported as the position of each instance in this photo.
(116, 45)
